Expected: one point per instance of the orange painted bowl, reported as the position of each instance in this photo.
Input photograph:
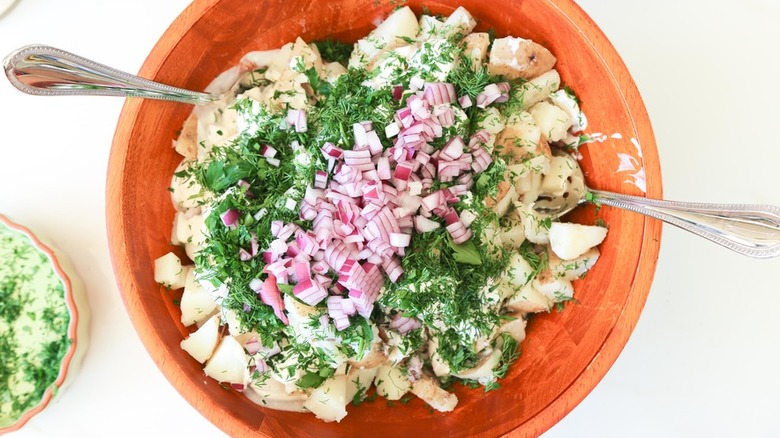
(44, 323)
(565, 354)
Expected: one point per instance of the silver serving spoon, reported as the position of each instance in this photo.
(48, 71)
(752, 230)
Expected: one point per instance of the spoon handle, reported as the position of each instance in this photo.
(751, 230)
(48, 71)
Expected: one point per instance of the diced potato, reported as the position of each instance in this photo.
(484, 368)
(529, 300)
(181, 229)
(556, 181)
(391, 383)
(197, 226)
(491, 120)
(555, 289)
(359, 380)
(476, 48)
(552, 121)
(428, 390)
(519, 58)
(506, 196)
(440, 367)
(185, 191)
(201, 343)
(538, 89)
(259, 59)
(228, 363)
(187, 143)
(535, 226)
(333, 70)
(432, 57)
(169, 272)
(514, 236)
(519, 272)
(372, 359)
(391, 33)
(572, 269)
(515, 328)
(570, 241)
(492, 237)
(522, 138)
(196, 304)
(429, 27)
(298, 312)
(329, 401)
(568, 103)
(273, 394)
(460, 22)
(399, 25)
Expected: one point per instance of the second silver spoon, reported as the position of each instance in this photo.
(48, 71)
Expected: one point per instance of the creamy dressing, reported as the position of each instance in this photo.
(33, 324)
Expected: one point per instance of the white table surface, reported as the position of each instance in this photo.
(705, 355)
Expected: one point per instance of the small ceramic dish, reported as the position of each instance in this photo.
(43, 324)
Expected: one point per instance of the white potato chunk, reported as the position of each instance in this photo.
(460, 22)
(329, 401)
(505, 201)
(440, 367)
(359, 380)
(523, 139)
(555, 289)
(273, 394)
(182, 231)
(185, 191)
(575, 268)
(519, 272)
(197, 226)
(201, 343)
(484, 369)
(568, 103)
(196, 303)
(476, 48)
(429, 27)
(570, 241)
(538, 88)
(519, 58)
(391, 383)
(187, 143)
(556, 181)
(228, 363)
(514, 236)
(528, 300)
(534, 224)
(430, 391)
(515, 328)
(491, 120)
(399, 25)
(169, 272)
(552, 121)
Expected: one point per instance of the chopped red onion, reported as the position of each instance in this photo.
(230, 217)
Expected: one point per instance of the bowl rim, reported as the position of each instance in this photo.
(76, 313)
(614, 341)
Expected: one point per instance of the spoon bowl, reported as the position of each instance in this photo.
(48, 71)
(751, 230)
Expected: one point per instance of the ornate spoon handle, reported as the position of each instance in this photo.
(752, 230)
(48, 71)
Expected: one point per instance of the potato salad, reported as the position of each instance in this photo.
(359, 219)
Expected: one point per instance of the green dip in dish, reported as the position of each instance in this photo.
(37, 325)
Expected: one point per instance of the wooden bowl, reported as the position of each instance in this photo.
(566, 353)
